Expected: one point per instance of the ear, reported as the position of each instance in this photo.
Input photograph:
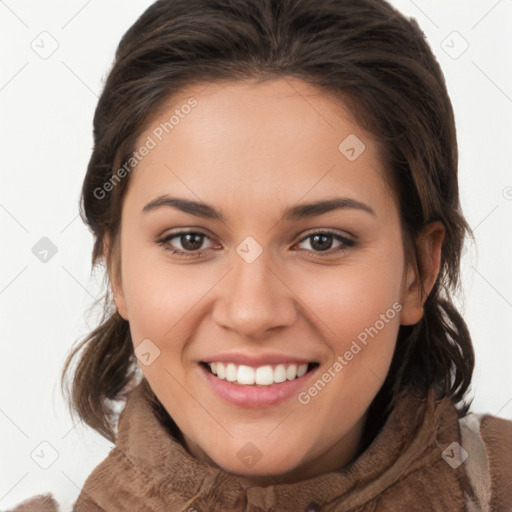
(420, 281)
(113, 263)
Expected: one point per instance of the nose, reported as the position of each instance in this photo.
(254, 299)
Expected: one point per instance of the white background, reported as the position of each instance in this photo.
(47, 106)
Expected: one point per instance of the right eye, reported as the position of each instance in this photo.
(190, 242)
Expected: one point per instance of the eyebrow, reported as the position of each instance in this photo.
(300, 211)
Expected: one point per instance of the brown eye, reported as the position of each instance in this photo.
(322, 241)
(190, 243)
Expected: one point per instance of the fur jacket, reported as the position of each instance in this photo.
(423, 459)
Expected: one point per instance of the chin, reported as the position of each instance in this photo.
(258, 463)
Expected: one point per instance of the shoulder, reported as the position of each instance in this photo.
(487, 441)
(497, 435)
(39, 503)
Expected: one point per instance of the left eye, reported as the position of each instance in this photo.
(323, 240)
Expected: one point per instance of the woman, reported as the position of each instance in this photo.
(273, 190)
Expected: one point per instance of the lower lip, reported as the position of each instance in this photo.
(256, 396)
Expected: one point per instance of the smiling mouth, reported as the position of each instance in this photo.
(265, 375)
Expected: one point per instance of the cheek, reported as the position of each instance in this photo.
(159, 292)
(352, 297)
(357, 306)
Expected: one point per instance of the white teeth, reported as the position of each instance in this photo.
(245, 375)
(264, 376)
(302, 369)
(291, 372)
(280, 373)
(231, 373)
(261, 376)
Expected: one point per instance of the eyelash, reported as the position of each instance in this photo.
(164, 241)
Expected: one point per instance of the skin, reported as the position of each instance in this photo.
(251, 151)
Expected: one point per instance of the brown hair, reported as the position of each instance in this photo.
(363, 51)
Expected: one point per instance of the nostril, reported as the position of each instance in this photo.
(312, 507)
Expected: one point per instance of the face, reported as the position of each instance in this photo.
(262, 285)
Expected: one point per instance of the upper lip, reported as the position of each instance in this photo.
(239, 358)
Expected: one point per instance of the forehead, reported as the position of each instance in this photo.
(282, 139)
